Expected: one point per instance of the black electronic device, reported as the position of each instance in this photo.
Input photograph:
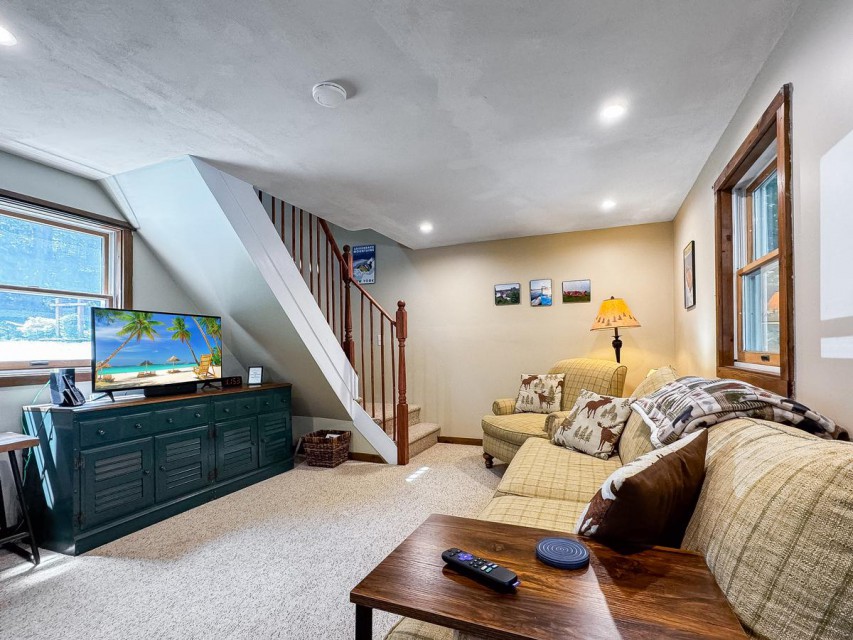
(563, 553)
(71, 395)
(232, 381)
(482, 570)
(57, 384)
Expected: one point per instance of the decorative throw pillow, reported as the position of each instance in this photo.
(594, 424)
(649, 501)
(540, 394)
(654, 380)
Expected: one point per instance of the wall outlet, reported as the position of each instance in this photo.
(378, 339)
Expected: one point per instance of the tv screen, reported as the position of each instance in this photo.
(138, 349)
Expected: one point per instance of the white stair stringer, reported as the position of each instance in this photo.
(189, 193)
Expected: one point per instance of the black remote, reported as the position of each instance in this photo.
(487, 572)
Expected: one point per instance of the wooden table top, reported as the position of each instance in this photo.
(653, 593)
(13, 441)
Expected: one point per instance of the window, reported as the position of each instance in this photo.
(54, 267)
(755, 254)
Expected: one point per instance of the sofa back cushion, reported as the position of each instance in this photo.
(599, 376)
(774, 521)
(636, 438)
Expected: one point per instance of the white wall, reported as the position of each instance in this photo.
(463, 351)
(815, 55)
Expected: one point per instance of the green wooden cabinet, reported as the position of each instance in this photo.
(104, 470)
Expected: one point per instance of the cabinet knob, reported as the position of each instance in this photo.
(147, 472)
(101, 432)
(246, 406)
(137, 426)
(252, 443)
(227, 410)
(265, 440)
(162, 468)
(170, 420)
(197, 414)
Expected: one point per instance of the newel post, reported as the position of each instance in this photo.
(402, 404)
(346, 278)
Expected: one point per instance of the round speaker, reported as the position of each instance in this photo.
(562, 553)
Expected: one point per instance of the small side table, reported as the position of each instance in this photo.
(9, 536)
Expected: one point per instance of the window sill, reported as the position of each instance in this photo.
(769, 381)
(37, 377)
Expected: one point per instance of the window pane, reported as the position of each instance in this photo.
(765, 218)
(42, 327)
(35, 254)
(761, 309)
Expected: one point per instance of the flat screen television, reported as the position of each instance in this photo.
(147, 349)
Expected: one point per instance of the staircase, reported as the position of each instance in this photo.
(355, 317)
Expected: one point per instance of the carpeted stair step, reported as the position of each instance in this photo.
(375, 411)
(422, 436)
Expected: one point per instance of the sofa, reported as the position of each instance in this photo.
(774, 519)
(505, 431)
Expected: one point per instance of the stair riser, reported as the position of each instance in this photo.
(388, 425)
(419, 446)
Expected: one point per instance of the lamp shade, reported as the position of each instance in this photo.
(613, 314)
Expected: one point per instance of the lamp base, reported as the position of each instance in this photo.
(617, 345)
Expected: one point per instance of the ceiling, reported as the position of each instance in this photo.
(480, 116)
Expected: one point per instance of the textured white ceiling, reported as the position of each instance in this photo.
(480, 116)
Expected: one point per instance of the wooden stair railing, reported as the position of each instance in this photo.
(328, 272)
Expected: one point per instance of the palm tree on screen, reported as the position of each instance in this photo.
(181, 333)
(138, 324)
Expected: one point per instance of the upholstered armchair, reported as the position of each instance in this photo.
(505, 431)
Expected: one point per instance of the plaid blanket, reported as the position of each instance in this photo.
(687, 404)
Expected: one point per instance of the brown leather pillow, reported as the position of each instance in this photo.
(649, 501)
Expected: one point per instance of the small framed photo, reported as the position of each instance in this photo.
(509, 293)
(256, 375)
(689, 275)
(540, 293)
(577, 291)
(364, 263)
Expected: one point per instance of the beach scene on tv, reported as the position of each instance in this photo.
(135, 349)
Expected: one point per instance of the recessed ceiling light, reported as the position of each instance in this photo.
(426, 227)
(329, 94)
(6, 37)
(608, 205)
(612, 112)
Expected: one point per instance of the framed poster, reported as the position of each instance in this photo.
(577, 291)
(509, 293)
(256, 375)
(540, 292)
(364, 263)
(689, 276)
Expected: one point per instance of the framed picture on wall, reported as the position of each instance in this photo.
(577, 291)
(689, 276)
(364, 263)
(540, 293)
(509, 293)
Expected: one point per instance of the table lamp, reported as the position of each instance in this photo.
(613, 314)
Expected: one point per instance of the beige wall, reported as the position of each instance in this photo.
(464, 351)
(815, 55)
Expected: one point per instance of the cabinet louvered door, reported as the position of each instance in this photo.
(275, 438)
(183, 462)
(236, 447)
(116, 480)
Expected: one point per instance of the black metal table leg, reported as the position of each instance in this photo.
(13, 462)
(363, 622)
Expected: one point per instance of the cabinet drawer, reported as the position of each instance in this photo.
(180, 417)
(246, 406)
(136, 424)
(274, 401)
(96, 432)
(235, 408)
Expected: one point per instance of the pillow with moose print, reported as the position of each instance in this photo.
(594, 424)
(540, 394)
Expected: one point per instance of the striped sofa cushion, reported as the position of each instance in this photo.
(599, 376)
(775, 524)
(636, 439)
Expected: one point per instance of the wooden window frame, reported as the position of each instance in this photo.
(772, 128)
(118, 276)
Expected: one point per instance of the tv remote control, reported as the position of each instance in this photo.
(487, 572)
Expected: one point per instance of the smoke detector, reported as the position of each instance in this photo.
(329, 94)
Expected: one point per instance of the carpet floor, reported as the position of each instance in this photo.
(275, 560)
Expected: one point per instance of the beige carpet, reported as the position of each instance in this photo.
(276, 560)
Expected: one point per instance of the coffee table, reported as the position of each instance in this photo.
(650, 593)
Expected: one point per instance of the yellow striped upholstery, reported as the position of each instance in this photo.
(411, 629)
(636, 439)
(500, 449)
(559, 515)
(775, 524)
(599, 376)
(515, 428)
(503, 406)
(543, 470)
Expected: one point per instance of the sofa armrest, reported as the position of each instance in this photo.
(503, 406)
(553, 422)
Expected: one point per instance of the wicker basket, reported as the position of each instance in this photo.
(326, 452)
